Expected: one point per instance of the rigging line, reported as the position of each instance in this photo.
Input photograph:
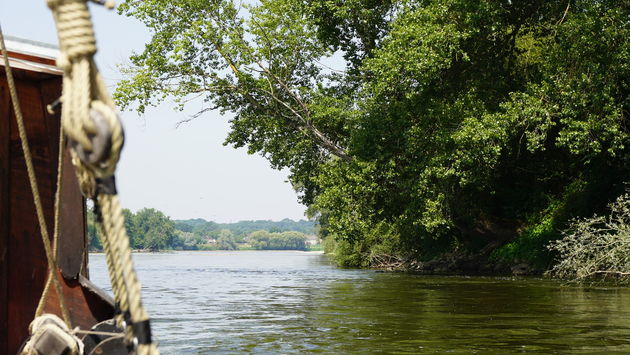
(52, 263)
(60, 164)
(94, 332)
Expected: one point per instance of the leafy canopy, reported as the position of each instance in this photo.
(450, 124)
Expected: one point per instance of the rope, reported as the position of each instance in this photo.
(111, 337)
(50, 326)
(93, 332)
(114, 266)
(123, 278)
(112, 262)
(52, 263)
(90, 120)
(84, 94)
(60, 164)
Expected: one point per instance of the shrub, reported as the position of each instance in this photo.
(598, 246)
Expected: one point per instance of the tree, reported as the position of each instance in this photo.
(94, 241)
(135, 236)
(263, 240)
(226, 240)
(188, 240)
(292, 241)
(259, 240)
(153, 230)
(453, 124)
(148, 229)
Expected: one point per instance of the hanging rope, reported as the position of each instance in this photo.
(51, 273)
(90, 120)
(50, 257)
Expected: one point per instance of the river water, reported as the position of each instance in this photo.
(296, 302)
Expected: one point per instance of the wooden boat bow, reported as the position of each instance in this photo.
(23, 267)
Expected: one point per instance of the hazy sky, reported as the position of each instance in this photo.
(184, 172)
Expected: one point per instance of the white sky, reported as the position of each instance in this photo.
(184, 172)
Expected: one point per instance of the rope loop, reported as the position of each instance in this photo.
(76, 35)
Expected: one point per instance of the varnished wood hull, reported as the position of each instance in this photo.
(23, 266)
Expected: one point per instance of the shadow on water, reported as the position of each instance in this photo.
(292, 302)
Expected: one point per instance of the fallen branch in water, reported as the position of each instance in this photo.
(386, 261)
(608, 272)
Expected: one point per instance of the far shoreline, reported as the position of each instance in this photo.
(141, 251)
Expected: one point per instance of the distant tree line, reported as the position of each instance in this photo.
(150, 229)
(240, 229)
(263, 240)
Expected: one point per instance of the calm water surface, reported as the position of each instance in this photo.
(294, 302)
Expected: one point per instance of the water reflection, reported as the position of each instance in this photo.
(293, 302)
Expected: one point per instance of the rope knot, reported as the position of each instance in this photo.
(76, 35)
(50, 335)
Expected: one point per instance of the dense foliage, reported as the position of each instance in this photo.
(263, 240)
(149, 229)
(452, 125)
(240, 229)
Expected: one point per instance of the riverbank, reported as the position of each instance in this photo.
(456, 263)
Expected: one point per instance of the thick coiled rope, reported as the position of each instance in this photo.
(89, 118)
